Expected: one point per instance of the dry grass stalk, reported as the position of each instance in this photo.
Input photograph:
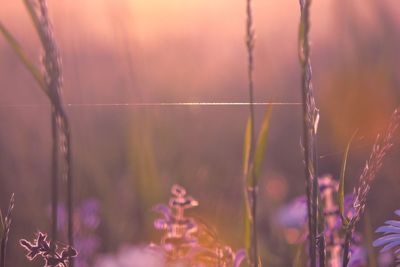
(381, 147)
(251, 190)
(60, 125)
(5, 230)
(310, 125)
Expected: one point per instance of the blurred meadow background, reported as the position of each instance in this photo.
(126, 158)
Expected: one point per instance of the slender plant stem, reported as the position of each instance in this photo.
(347, 243)
(310, 123)
(62, 140)
(51, 83)
(54, 180)
(311, 225)
(253, 181)
(60, 123)
(70, 197)
(3, 252)
(321, 250)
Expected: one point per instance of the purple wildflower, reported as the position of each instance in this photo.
(42, 247)
(185, 240)
(293, 215)
(391, 235)
(88, 213)
(87, 217)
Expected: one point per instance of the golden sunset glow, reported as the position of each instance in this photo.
(182, 132)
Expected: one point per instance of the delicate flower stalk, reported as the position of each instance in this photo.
(333, 233)
(331, 240)
(329, 188)
(381, 147)
(188, 240)
(310, 125)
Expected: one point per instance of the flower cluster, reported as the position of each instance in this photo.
(42, 247)
(333, 225)
(186, 240)
(294, 216)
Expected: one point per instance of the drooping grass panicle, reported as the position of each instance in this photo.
(310, 126)
(51, 83)
(381, 147)
(5, 230)
(60, 125)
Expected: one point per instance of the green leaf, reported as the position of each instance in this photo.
(37, 75)
(246, 148)
(247, 218)
(248, 167)
(262, 142)
(345, 220)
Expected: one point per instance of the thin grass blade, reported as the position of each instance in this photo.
(246, 148)
(262, 142)
(37, 75)
(345, 220)
(246, 166)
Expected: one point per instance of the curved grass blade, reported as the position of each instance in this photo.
(247, 222)
(261, 142)
(246, 148)
(345, 220)
(246, 166)
(37, 75)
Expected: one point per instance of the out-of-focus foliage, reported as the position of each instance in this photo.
(174, 51)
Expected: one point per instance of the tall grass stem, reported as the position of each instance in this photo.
(253, 181)
(310, 125)
(384, 142)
